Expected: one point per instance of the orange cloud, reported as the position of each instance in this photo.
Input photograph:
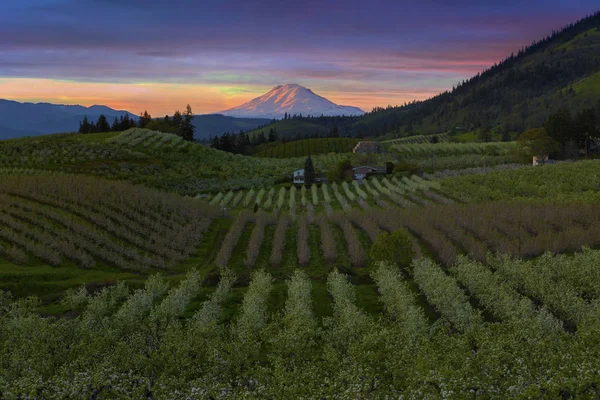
(158, 98)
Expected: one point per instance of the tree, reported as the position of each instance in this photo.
(586, 128)
(115, 125)
(272, 135)
(559, 127)
(389, 167)
(177, 119)
(102, 124)
(485, 134)
(536, 143)
(85, 126)
(334, 132)
(187, 128)
(125, 123)
(145, 119)
(309, 171)
(395, 248)
(341, 172)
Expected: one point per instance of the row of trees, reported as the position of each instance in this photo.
(178, 124)
(242, 143)
(102, 125)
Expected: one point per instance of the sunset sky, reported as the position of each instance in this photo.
(216, 54)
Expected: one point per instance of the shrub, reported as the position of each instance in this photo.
(327, 239)
(281, 198)
(395, 248)
(279, 240)
(302, 241)
(315, 195)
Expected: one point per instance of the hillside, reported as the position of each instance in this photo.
(155, 159)
(29, 119)
(216, 124)
(265, 296)
(519, 93)
(304, 128)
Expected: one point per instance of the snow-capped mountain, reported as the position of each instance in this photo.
(291, 99)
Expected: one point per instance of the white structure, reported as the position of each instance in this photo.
(362, 172)
(542, 161)
(299, 176)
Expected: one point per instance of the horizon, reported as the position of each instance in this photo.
(351, 55)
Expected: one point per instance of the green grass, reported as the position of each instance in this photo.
(588, 86)
(580, 40)
(49, 283)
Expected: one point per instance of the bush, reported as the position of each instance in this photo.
(395, 247)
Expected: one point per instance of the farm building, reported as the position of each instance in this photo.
(299, 176)
(363, 171)
(367, 148)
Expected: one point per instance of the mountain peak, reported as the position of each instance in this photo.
(290, 98)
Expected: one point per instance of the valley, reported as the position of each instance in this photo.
(290, 246)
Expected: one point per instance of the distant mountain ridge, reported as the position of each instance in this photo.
(34, 119)
(292, 99)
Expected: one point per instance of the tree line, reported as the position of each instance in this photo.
(564, 134)
(179, 124)
(242, 143)
(517, 94)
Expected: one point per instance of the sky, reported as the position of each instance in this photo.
(160, 55)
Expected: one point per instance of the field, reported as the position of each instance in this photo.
(154, 159)
(477, 283)
(309, 147)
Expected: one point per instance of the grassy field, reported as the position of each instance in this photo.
(590, 85)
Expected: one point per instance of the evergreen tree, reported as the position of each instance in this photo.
(272, 135)
(309, 171)
(85, 126)
(102, 124)
(586, 127)
(187, 128)
(559, 127)
(145, 119)
(177, 119)
(115, 125)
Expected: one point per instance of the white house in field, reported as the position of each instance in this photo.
(299, 176)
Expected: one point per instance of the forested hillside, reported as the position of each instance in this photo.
(562, 70)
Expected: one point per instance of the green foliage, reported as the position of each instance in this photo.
(309, 171)
(395, 248)
(306, 147)
(515, 95)
(341, 172)
(536, 142)
(566, 182)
